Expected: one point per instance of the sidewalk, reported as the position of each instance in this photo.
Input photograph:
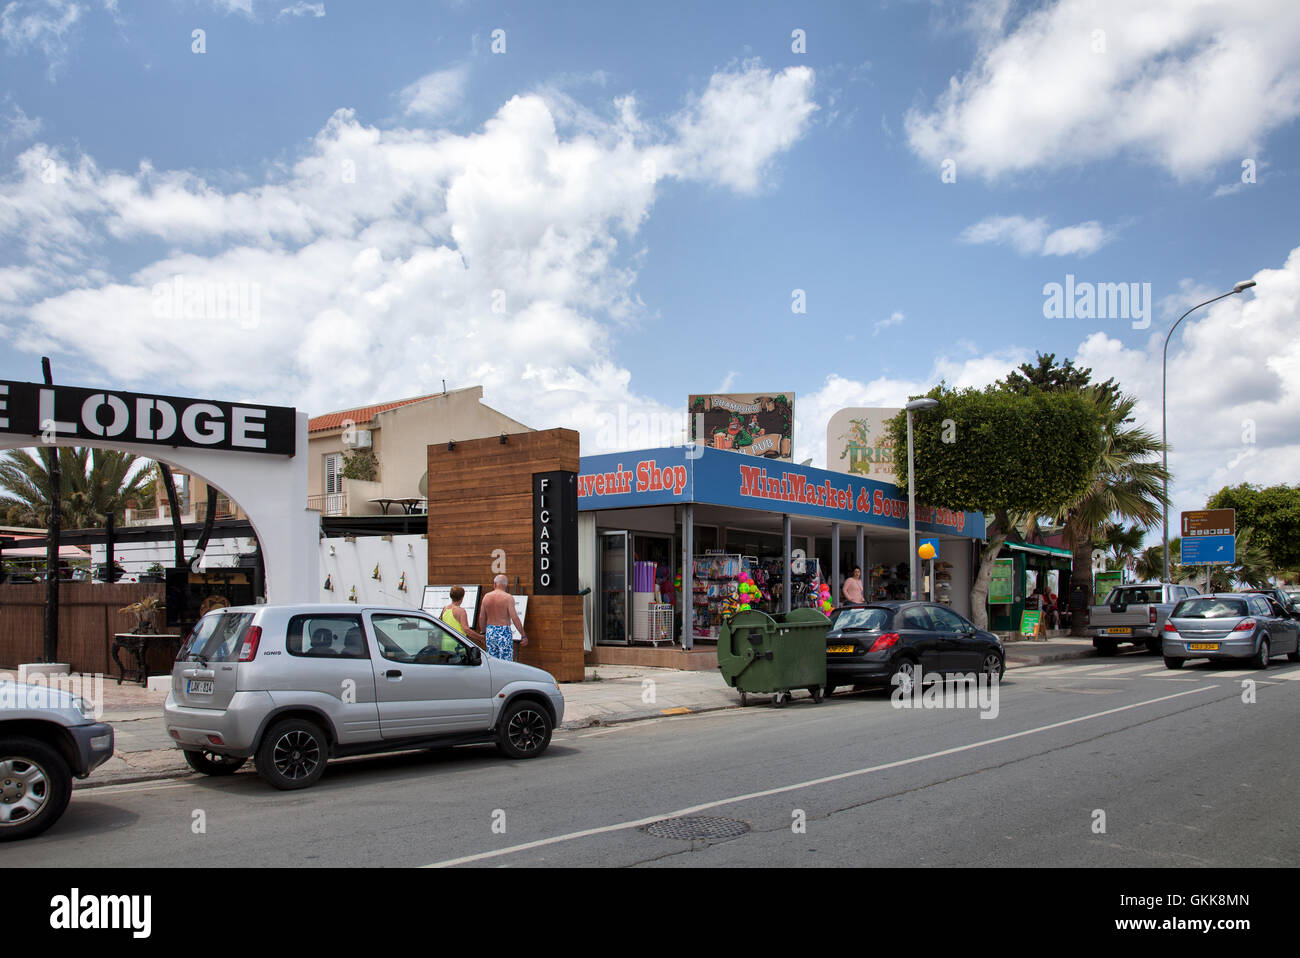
(611, 694)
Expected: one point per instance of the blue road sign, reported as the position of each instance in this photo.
(1209, 550)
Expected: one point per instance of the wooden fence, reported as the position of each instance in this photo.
(88, 619)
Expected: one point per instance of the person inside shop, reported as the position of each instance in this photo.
(852, 588)
(498, 608)
(456, 617)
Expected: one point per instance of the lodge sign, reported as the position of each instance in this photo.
(94, 415)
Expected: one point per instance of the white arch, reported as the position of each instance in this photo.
(271, 489)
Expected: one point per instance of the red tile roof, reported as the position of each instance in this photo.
(360, 416)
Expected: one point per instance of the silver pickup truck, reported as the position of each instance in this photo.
(1134, 613)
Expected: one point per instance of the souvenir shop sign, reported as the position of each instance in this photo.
(757, 424)
(72, 412)
(555, 533)
(677, 475)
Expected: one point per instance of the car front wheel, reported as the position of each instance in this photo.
(524, 730)
(292, 754)
(35, 786)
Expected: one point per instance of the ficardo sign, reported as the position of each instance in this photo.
(247, 451)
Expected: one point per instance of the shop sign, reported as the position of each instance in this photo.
(92, 415)
(555, 533)
(1002, 582)
(857, 442)
(757, 424)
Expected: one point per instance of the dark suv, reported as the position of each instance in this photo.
(883, 643)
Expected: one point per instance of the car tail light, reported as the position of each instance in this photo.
(1169, 627)
(886, 641)
(249, 648)
(1151, 615)
(1245, 625)
(1087, 616)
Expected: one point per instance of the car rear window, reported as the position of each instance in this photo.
(1133, 597)
(862, 620)
(1206, 607)
(216, 637)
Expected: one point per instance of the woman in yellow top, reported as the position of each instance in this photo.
(457, 618)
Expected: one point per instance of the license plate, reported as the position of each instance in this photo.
(198, 688)
(1203, 647)
(841, 648)
(1119, 631)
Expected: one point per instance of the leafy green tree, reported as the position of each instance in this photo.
(1273, 513)
(1012, 456)
(95, 482)
(1150, 566)
(1123, 543)
(1045, 373)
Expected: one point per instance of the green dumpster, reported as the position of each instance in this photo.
(764, 653)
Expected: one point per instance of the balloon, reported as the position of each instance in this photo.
(926, 551)
(744, 607)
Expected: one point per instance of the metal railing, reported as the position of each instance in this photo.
(329, 503)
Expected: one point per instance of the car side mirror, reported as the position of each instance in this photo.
(475, 656)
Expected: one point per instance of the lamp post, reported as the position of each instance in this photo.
(1164, 417)
(914, 405)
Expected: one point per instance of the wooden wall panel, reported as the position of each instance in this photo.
(88, 618)
(480, 500)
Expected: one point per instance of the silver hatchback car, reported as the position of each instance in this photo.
(1231, 625)
(293, 686)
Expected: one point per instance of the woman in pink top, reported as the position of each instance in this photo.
(852, 588)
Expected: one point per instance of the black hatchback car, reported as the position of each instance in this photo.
(869, 644)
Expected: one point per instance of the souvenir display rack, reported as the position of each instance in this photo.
(715, 578)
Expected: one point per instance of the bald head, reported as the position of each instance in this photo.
(500, 581)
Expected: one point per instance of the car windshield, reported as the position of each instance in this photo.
(216, 637)
(861, 620)
(1208, 607)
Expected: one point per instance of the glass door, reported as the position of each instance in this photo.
(614, 581)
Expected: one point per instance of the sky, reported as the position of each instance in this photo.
(594, 210)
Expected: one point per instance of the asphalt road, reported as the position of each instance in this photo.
(1176, 766)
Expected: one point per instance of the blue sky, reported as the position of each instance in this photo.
(616, 210)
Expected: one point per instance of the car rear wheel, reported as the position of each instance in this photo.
(524, 730)
(1172, 663)
(35, 786)
(1262, 656)
(211, 763)
(903, 678)
(292, 754)
(1105, 648)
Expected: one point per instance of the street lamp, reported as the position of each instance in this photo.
(914, 405)
(1164, 417)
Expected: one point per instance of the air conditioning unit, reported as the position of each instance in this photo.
(357, 439)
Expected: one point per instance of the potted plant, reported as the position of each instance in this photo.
(155, 573)
(144, 611)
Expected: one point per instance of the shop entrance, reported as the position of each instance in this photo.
(637, 571)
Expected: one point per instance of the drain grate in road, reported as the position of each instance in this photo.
(698, 829)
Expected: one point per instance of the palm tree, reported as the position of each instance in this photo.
(1123, 543)
(94, 483)
(1127, 483)
(1150, 564)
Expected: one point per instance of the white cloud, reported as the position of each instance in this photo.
(304, 9)
(383, 260)
(894, 319)
(732, 131)
(1186, 86)
(435, 95)
(17, 126)
(1030, 237)
(42, 24)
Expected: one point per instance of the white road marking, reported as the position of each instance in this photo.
(1131, 668)
(696, 809)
